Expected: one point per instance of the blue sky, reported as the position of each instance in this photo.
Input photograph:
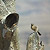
(38, 13)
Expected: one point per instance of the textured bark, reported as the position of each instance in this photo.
(9, 41)
(6, 41)
(33, 42)
(10, 5)
(3, 10)
(7, 7)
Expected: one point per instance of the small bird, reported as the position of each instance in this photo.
(34, 28)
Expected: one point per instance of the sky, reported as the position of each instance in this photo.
(36, 12)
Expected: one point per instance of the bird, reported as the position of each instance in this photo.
(35, 28)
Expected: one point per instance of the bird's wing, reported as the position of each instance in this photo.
(10, 5)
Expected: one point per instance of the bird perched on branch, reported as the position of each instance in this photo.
(35, 28)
